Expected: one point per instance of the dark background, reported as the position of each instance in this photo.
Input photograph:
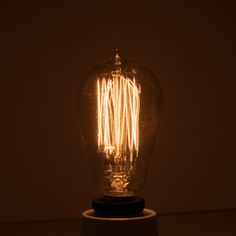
(46, 48)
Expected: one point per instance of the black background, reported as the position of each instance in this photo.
(46, 47)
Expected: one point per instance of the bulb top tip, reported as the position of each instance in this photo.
(117, 57)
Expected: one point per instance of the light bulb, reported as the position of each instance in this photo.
(120, 104)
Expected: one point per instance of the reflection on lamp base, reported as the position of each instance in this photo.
(99, 226)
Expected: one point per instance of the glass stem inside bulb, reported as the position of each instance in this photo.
(118, 172)
(119, 182)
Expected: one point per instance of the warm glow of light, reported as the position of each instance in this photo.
(118, 107)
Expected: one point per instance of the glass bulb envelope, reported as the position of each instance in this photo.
(120, 104)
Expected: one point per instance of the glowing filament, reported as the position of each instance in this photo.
(118, 106)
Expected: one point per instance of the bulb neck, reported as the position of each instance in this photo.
(118, 194)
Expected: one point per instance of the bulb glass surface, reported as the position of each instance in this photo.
(120, 105)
